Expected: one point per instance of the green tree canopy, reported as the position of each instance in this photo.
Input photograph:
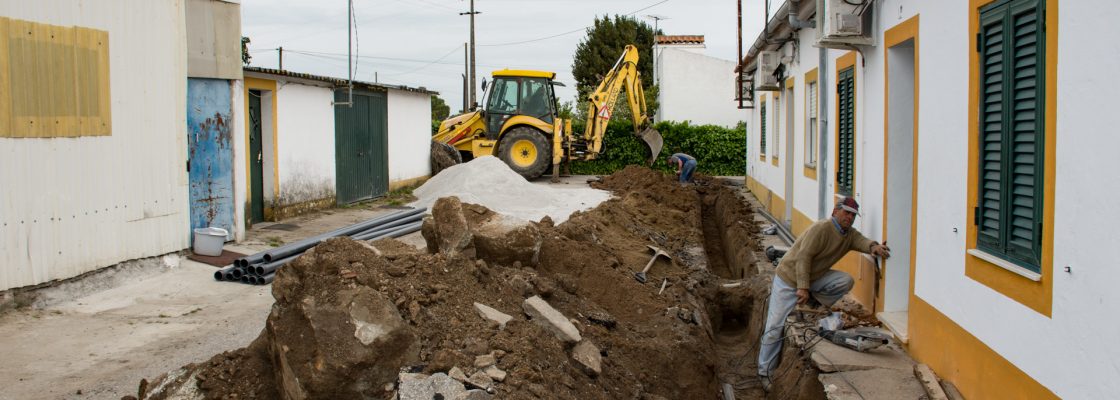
(605, 40)
(440, 109)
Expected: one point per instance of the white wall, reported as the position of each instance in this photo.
(305, 139)
(73, 205)
(1071, 353)
(240, 153)
(410, 135)
(696, 88)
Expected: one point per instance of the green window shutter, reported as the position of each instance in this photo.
(1025, 131)
(845, 146)
(763, 112)
(1011, 131)
(989, 197)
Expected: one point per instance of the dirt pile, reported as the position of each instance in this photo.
(466, 303)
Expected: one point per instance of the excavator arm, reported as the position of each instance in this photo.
(601, 104)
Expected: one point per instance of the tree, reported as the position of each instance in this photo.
(245, 57)
(440, 109)
(605, 40)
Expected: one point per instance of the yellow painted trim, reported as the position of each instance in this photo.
(801, 222)
(269, 85)
(789, 83)
(1038, 295)
(774, 160)
(959, 357)
(810, 78)
(777, 206)
(903, 31)
(524, 73)
(842, 63)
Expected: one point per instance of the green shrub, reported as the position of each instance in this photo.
(718, 150)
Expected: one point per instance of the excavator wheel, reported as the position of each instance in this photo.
(526, 151)
(443, 156)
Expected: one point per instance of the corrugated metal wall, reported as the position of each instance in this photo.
(72, 205)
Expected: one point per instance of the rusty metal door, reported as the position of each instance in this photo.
(210, 157)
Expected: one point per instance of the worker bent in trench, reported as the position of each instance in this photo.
(806, 270)
(685, 165)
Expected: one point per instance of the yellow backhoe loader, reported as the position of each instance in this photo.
(519, 124)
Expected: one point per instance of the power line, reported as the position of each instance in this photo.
(571, 31)
(453, 50)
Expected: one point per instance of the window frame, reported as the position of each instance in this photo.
(812, 124)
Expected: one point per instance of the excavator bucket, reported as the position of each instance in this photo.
(654, 141)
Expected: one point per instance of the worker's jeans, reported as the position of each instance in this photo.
(686, 171)
(828, 289)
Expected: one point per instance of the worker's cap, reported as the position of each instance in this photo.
(848, 204)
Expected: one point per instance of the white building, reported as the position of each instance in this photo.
(973, 134)
(692, 86)
(316, 151)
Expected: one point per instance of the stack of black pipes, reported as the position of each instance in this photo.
(260, 268)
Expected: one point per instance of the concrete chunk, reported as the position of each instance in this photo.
(480, 380)
(422, 387)
(872, 384)
(495, 373)
(551, 320)
(928, 379)
(484, 361)
(587, 357)
(493, 315)
(457, 374)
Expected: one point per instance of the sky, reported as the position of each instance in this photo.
(420, 43)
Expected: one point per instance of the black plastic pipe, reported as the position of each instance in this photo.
(365, 235)
(400, 231)
(302, 245)
(267, 279)
(268, 268)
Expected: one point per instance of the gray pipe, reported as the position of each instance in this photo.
(822, 132)
(265, 269)
(300, 246)
(267, 279)
(388, 225)
(796, 23)
(401, 231)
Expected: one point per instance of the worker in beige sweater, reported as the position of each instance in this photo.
(806, 270)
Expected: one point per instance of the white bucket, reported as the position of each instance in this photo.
(209, 241)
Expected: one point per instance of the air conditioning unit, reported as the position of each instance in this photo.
(768, 62)
(844, 23)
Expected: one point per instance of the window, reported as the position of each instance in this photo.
(55, 80)
(504, 98)
(1008, 212)
(811, 125)
(534, 99)
(762, 123)
(845, 141)
(777, 130)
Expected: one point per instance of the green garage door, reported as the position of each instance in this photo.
(361, 146)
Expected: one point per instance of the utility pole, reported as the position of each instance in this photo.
(472, 69)
(656, 19)
(281, 48)
(466, 72)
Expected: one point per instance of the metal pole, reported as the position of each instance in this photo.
(739, 59)
(466, 73)
(281, 48)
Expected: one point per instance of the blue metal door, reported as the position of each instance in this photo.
(210, 157)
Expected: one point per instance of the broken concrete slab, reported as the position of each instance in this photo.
(457, 374)
(551, 319)
(484, 361)
(490, 313)
(885, 384)
(481, 380)
(424, 387)
(495, 373)
(474, 394)
(588, 358)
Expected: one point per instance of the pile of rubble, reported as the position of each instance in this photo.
(497, 307)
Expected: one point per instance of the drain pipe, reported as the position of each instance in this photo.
(822, 132)
(796, 23)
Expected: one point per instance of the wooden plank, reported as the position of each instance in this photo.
(928, 379)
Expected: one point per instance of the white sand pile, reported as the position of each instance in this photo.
(490, 182)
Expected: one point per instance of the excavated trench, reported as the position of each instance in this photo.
(688, 331)
(739, 310)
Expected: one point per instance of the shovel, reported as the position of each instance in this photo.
(641, 276)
